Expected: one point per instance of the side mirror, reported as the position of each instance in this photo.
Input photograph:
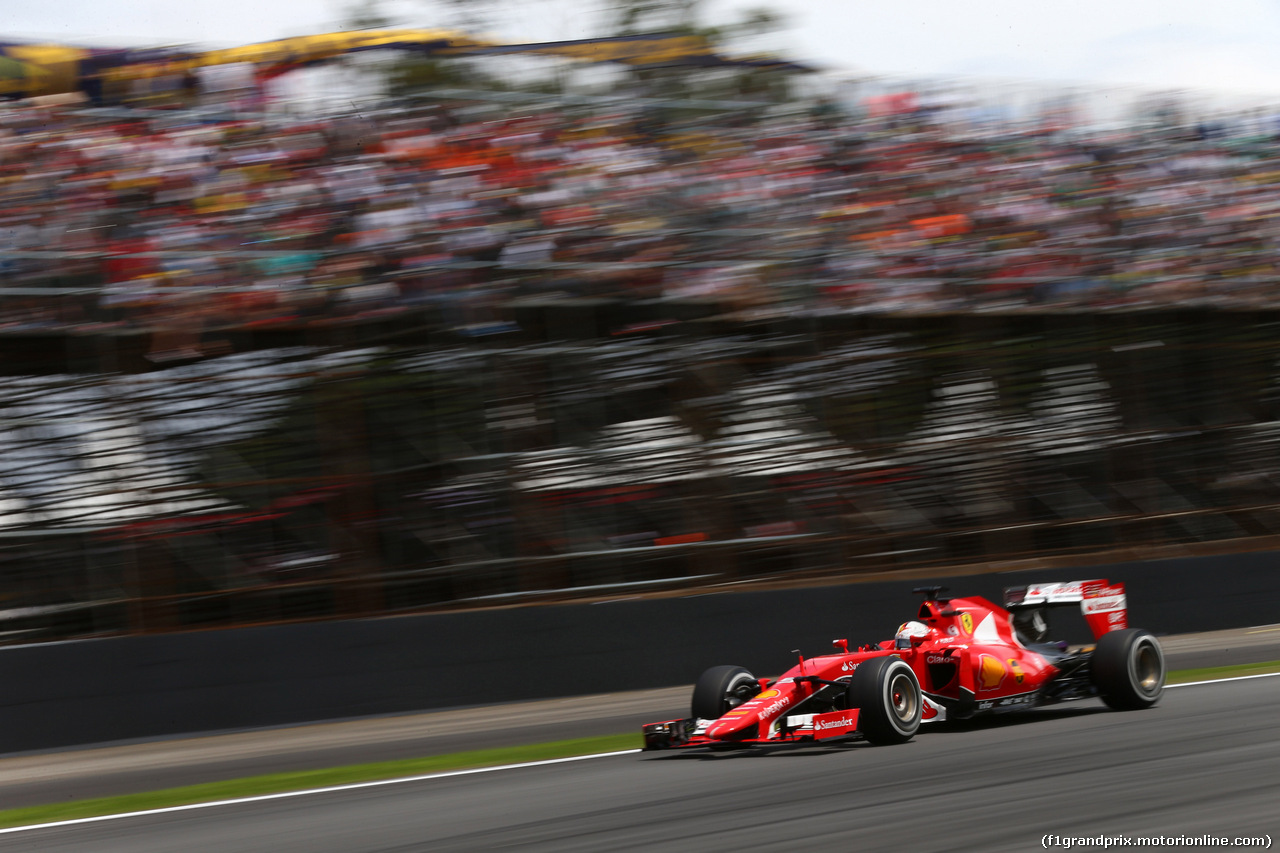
(918, 641)
(842, 645)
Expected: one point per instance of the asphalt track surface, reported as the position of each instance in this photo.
(1205, 761)
(52, 777)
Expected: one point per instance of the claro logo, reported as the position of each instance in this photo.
(839, 723)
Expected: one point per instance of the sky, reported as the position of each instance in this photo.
(1227, 45)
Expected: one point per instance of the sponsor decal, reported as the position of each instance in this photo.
(1054, 593)
(763, 708)
(1093, 589)
(1104, 604)
(1115, 618)
(939, 659)
(834, 723)
(820, 725)
(1016, 669)
(1007, 702)
(953, 630)
(990, 672)
(848, 666)
(966, 622)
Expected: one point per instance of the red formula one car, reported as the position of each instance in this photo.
(958, 658)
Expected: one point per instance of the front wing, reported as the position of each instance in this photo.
(797, 728)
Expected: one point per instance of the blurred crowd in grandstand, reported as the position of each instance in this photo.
(141, 221)
(474, 472)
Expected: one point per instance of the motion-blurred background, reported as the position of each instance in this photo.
(392, 320)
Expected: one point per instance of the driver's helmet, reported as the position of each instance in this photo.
(907, 630)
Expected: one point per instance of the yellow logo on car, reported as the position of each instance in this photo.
(990, 672)
(1016, 669)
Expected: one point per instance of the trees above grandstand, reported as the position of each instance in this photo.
(411, 72)
(629, 17)
(688, 17)
(615, 18)
(665, 47)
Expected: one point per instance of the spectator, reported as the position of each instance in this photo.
(266, 220)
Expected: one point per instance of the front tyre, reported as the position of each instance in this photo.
(721, 689)
(1128, 669)
(887, 695)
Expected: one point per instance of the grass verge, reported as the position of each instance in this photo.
(1209, 673)
(275, 783)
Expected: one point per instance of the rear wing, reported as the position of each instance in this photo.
(1103, 603)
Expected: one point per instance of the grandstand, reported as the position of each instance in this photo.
(263, 367)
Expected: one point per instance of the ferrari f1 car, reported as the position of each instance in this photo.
(960, 657)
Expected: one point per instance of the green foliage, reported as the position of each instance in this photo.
(1213, 673)
(632, 17)
(366, 15)
(414, 74)
(629, 17)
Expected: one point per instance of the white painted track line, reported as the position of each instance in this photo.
(444, 774)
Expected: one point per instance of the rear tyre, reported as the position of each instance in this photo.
(721, 689)
(887, 695)
(1128, 669)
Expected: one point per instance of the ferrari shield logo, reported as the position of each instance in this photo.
(966, 622)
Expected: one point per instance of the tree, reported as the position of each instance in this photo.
(366, 15)
(608, 19)
(408, 72)
(686, 17)
(632, 17)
